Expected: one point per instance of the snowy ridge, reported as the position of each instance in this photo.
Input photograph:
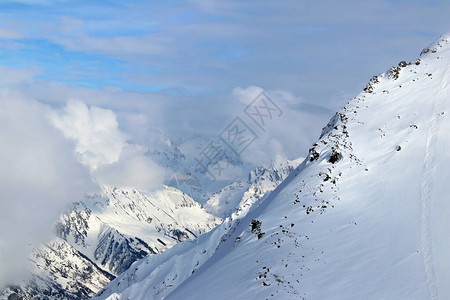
(363, 217)
(193, 254)
(260, 181)
(101, 236)
(122, 225)
(61, 272)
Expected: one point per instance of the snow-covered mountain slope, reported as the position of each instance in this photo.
(101, 236)
(118, 227)
(365, 216)
(260, 181)
(60, 272)
(235, 199)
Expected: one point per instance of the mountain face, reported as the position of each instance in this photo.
(365, 216)
(122, 225)
(231, 203)
(101, 236)
(245, 191)
(59, 272)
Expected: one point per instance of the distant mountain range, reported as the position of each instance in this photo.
(101, 236)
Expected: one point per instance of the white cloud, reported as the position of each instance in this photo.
(95, 130)
(12, 77)
(248, 94)
(39, 176)
(134, 170)
(74, 35)
(285, 136)
(119, 45)
(9, 34)
(103, 147)
(193, 120)
(47, 160)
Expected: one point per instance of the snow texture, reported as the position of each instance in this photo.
(365, 216)
(103, 235)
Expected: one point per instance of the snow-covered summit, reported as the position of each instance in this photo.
(440, 45)
(365, 216)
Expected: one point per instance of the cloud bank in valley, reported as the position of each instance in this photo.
(51, 158)
(39, 175)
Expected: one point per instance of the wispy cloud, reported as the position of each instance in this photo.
(9, 34)
(218, 45)
(34, 2)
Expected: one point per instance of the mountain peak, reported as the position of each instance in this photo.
(364, 216)
(440, 45)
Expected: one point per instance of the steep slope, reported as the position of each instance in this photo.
(235, 199)
(363, 217)
(101, 236)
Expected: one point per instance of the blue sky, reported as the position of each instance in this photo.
(177, 64)
(216, 45)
